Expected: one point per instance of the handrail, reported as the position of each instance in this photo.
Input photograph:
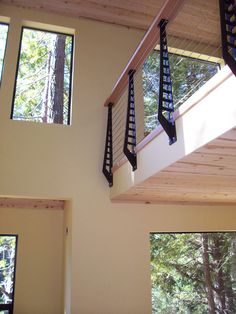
(149, 41)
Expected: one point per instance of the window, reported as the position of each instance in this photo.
(43, 83)
(8, 246)
(193, 272)
(187, 75)
(3, 42)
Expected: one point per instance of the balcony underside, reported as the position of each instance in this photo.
(200, 168)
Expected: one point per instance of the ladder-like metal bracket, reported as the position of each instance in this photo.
(130, 130)
(166, 105)
(228, 32)
(108, 154)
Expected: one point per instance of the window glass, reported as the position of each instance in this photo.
(43, 82)
(8, 244)
(187, 75)
(3, 42)
(193, 272)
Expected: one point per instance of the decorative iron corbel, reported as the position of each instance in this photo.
(166, 105)
(228, 32)
(130, 130)
(108, 154)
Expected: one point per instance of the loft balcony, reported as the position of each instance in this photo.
(199, 167)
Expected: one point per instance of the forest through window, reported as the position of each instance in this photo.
(43, 83)
(187, 75)
(3, 43)
(193, 273)
(8, 244)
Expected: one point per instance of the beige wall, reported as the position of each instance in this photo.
(110, 242)
(39, 270)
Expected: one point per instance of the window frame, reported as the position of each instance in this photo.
(4, 54)
(10, 306)
(69, 118)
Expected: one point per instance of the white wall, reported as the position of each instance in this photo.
(39, 269)
(110, 242)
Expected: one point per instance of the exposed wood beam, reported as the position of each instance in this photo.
(27, 203)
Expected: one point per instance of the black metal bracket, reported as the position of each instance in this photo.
(228, 32)
(166, 105)
(108, 154)
(130, 130)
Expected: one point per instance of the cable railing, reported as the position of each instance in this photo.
(165, 70)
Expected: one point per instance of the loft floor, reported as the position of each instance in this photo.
(200, 168)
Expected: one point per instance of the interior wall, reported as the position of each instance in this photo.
(39, 268)
(110, 242)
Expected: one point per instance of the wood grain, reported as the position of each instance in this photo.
(198, 17)
(206, 176)
(26, 203)
(169, 11)
(196, 24)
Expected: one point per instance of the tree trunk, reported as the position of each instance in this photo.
(207, 274)
(233, 260)
(58, 90)
(219, 272)
(231, 282)
(229, 293)
(46, 94)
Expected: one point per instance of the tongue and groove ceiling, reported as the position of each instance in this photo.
(198, 19)
(132, 13)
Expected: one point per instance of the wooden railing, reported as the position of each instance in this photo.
(168, 12)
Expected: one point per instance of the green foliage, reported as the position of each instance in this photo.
(34, 96)
(7, 263)
(3, 42)
(178, 273)
(187, 74)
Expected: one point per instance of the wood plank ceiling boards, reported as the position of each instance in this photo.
(198, 19)
(207, 176)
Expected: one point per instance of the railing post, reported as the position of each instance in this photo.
(228, 32)
(166, 106)
(130, 130)
(108, 154)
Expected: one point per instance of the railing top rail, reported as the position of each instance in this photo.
(169, 11)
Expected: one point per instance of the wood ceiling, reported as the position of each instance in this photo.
(206, 176)
(132, 13)
(198, 19)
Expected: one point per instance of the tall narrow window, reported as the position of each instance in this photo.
(8, 245)
(3, 42)
(43, 83)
